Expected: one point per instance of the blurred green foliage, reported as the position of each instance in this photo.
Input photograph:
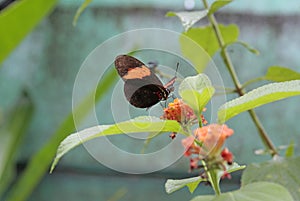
(12, 130)
(40, 163)
(18, 19)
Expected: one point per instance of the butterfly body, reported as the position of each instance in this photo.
(142, 88)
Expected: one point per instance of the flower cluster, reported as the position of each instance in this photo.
(206, 144)
(182, 113)
(213, 137)
(179, 111)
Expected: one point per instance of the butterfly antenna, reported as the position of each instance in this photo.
(177, 65)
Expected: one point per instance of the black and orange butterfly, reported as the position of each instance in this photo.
(142, 87)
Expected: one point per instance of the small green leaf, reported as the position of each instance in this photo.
(234, 167)
(176, 184)
(80, 10)
(282, 171)
(217, 5)
(216, 174)
(281, 74)
(214, 179)
(259, 191)
(290, 150)
(192, 183)
(257, 97)
(137, 125)
(196, 91)
(200, 44)
(188, 19)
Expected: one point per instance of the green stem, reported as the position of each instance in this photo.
(252, 81)
(226, 89)
(212, 178)
(200, 121)
(264, 136)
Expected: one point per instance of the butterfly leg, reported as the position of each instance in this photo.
(162, 105)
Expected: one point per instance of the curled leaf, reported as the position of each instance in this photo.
(176, 184)
(188, 19)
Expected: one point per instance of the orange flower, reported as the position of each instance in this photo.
(206, 145)
(213, 137)
(179, 111)
(190, 146)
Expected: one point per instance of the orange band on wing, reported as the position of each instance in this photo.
(137, 73)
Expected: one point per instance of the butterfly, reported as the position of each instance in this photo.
(142, 88)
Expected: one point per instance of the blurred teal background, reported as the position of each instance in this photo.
(46, 62)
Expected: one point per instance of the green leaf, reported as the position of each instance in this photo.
(217, 5)
(231, 168)
(205, 37)
(281, 74)
(188, 19)
(257, 97)
(216, 174)
(80, 10)
(196, 91)
(40, 161)
(11, 135)
(214, 180)
(290, 150)
(137, 125)
(204, 44)
(18, 19)
(175, 184)
(259, 191)
(282, 171)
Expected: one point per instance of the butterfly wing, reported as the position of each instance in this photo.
(142, 87)
(145, 96)
(130, 69)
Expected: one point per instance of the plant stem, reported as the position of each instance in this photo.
(252, 81)
(200, 121)
(212, 178)
(264, 136)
